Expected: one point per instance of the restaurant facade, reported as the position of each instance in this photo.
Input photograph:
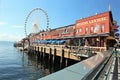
(97, 30)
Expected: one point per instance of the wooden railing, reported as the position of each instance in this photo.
(98, 49)
(74, 48)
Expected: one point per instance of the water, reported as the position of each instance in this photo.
(16, 65)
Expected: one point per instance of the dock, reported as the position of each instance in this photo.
(74, 53)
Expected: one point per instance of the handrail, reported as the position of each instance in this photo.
(102, 69)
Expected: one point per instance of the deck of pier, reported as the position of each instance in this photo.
(56, 51)
(71, 52)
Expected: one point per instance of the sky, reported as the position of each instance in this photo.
(13, 14)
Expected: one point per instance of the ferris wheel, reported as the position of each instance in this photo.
(39, 19)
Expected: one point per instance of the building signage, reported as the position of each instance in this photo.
(92, 21)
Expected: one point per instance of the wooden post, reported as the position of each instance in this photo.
(41, 53)
(54, 56)
(41, 56)
(62, 59)
(44, 52)
(50, 54)
(66, 62)
(38, 55)
(34, 50)
(50, 60)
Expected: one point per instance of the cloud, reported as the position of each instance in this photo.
(7, 37)
(17, 26)
(3, 23)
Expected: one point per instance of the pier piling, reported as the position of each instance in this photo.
(54, 56)
(66, 62)
(50, 54)
(44, 52)
(62, 59)
(38, 54)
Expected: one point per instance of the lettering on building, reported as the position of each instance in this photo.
(92, 21)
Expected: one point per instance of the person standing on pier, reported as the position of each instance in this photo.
(115, 47)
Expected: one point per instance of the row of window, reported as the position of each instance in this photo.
(97, 28)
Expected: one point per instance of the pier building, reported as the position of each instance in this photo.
(96, 31)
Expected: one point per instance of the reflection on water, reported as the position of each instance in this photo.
(43, 64)
(16, 65)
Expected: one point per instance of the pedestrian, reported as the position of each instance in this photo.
(115, 47)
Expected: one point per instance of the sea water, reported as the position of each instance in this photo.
(16, 65)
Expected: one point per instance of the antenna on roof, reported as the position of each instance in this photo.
(81, 18)
(109, 8)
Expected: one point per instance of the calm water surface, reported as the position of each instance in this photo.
(16, 65)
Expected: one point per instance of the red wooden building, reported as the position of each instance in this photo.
(97, 30)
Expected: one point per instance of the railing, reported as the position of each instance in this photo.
(93, 49)
(98, 49)
(104, 73)
(81, 51)
(85, 51)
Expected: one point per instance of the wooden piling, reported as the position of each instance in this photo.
(38, 55)
(66, 62)
(50, 54)
(41, 53)
(62, 59)
(34, 50)
(54, 56)
(44, 52)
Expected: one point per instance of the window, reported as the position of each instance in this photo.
(65, 31)
(97, 28)
(80, 30)
(76, 31)
(42, 34)
(103, 28)
(86, 30)
(91, 29)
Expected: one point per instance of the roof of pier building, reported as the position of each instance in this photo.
(58, 33)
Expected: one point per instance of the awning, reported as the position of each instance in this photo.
(92, 35)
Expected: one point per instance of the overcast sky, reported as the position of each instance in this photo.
(60, 12)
